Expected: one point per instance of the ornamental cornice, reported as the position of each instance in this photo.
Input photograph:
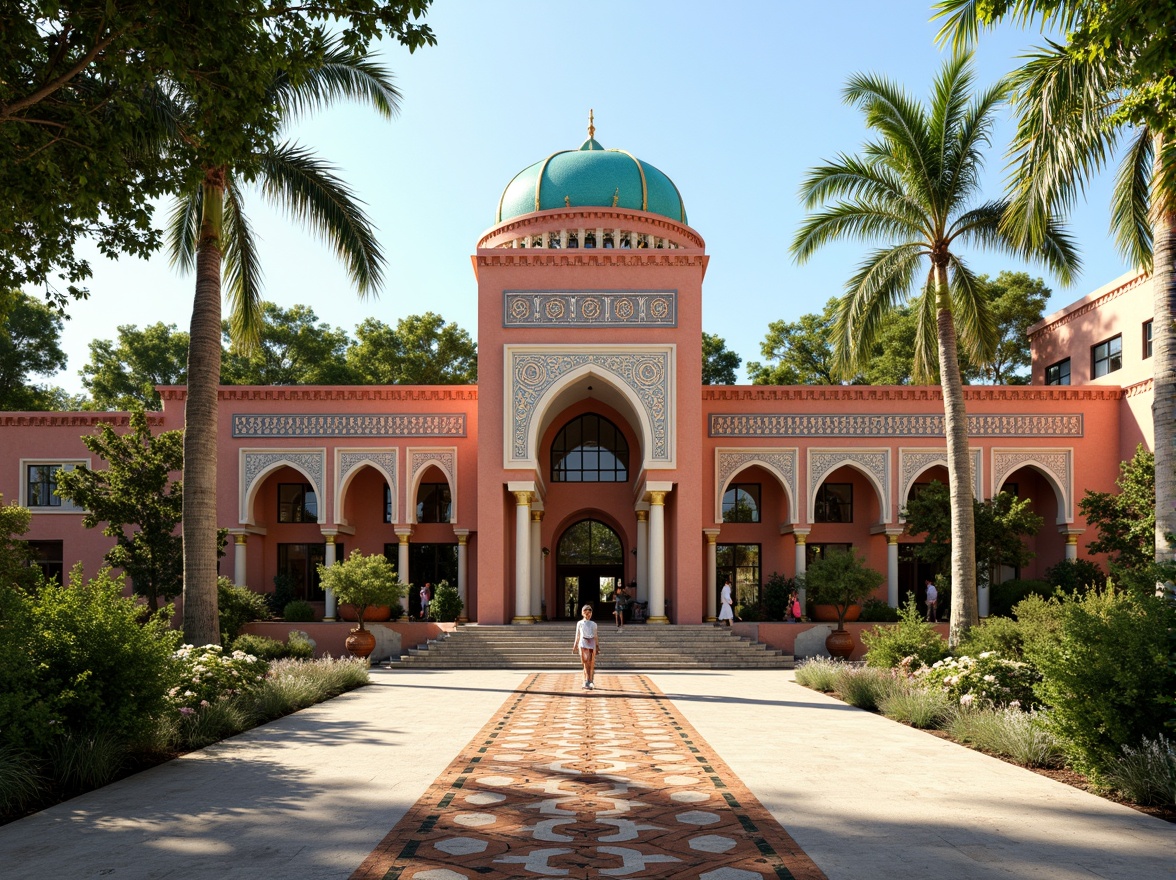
(73, 419)
(1147, 386)
(259, 425)
(921, 393)
(1088, 307)
(890, 425)
(589, 308)
(606, 218)
(575, 257)
(328, 393)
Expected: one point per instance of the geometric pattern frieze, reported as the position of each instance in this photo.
(647, 373)
(589, 308)
(564, 782)
(325, 425)
(782, 462)
(883, 425)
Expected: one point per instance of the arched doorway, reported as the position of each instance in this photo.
(590, 562)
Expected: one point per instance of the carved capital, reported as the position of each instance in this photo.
(642, 516)
(657, 499)
(522, 499)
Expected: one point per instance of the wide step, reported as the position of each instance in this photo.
(549, 646)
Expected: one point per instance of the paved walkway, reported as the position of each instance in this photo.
(342, 789)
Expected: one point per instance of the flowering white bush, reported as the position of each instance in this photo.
(207, 674)
(985, 680)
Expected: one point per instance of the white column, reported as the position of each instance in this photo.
(536, 565)
(1071, 536)
(712, 537)
(892, 570)
(801, 562)
(239, 568)
(329, 559)
(463, 541)
(642, 556)
(657, 558)
(522, 558)
(402, 564)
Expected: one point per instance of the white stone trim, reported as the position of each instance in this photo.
(254, 465)
(420, 459)
(781, 462)
(22, 484)
(913, 461)
(350, 460)
(1055, 464)
(872, 463)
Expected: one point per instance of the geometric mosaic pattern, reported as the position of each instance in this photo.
(589, 308)
(322, 425)
(928, 425)
(571, 783)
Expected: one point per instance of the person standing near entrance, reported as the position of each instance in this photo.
(426, 598)
(620, 600)
(587, 645)
(727, 612)
(932, 601)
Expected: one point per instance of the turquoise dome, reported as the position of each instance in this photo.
(591, 177)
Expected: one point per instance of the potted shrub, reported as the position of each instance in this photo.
(362, 581)
(841, 579)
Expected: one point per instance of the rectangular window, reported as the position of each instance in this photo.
(834, 503)
(49, 556)
(1058, 374)
(433, 503)
(741, 503)
(41, 486)
(740, 563)
(1107, 356)
(1147, 340)
(297, 503)
(813, 552)
(300, 562)
(387, 503)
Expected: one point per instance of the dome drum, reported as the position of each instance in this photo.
(586, 228)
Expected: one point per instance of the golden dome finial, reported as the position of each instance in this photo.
(591, 127)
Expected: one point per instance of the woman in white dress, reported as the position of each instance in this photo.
(586, 643)
(727, 612)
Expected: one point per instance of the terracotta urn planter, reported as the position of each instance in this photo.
(371, 613)
(361, 642)
(828, 613)
(839, 644)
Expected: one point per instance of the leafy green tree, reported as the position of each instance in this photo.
(1017, 302)
(1002, 524)
(797, 352)
(15, 557)
(421, 350)
(839, 578)
(915, 190)
(29, 343)
(1107, 90)
(123, 374)
(294, 349)
(137, 503)
(719, 363)
(209, 232)
(1126, 520)
(74, 119)
(362, 581)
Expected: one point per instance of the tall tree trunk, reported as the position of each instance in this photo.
(1164, 363)
(201, 618)
(964, 608)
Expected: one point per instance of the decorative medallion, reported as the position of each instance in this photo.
(928, 425)
(315, 425)
(589, 308)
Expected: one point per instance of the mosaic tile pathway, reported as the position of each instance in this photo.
(571, 783)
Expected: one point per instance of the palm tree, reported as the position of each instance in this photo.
(1077, 105)
(914, 188)
(209, 231)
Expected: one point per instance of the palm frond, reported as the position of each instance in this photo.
(1163, 185)
(342, 74)
(964, 20)
(925, 366)
(312, 194)
(242, 270)
(850, 177)
(183, 230)
(1131, 201)
(965, 161)
(976, 327)
(883, 281)
(949, 101)
(859, 220)
(900, 120)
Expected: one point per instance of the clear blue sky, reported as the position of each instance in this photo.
(734, 101)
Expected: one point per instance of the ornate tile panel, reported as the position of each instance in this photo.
(782, 462)
(912, 462)
(326, 425)
(589, 308)
(881, 425)
(647, 373)
(875, 463)
(1057, 464)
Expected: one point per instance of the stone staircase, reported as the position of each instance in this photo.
(549, 646)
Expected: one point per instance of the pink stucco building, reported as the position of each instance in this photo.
(590, 452)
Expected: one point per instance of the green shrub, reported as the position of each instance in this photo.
(1105, 675)
(1002, 597)
(1037, 621)
(362, 581)
(925, 708)
(238, 606)
(85, 761)
(982, 681)
(77, 661)
(214, 722)
(205, 674)
(877, 611)
(446, 605)
(298, 611)
(283, 593)
(1146, 775)
(298, 646)
(889, 646)
(1075, 576)
(1023, 737)
(818, 673)
(1001, 635)
(750, 613)
(20, 782)
(777, 593)
(267, 649)
(864, 686)
(840, 578)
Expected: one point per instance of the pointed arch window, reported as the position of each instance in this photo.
(590, 449)
(590, 542)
